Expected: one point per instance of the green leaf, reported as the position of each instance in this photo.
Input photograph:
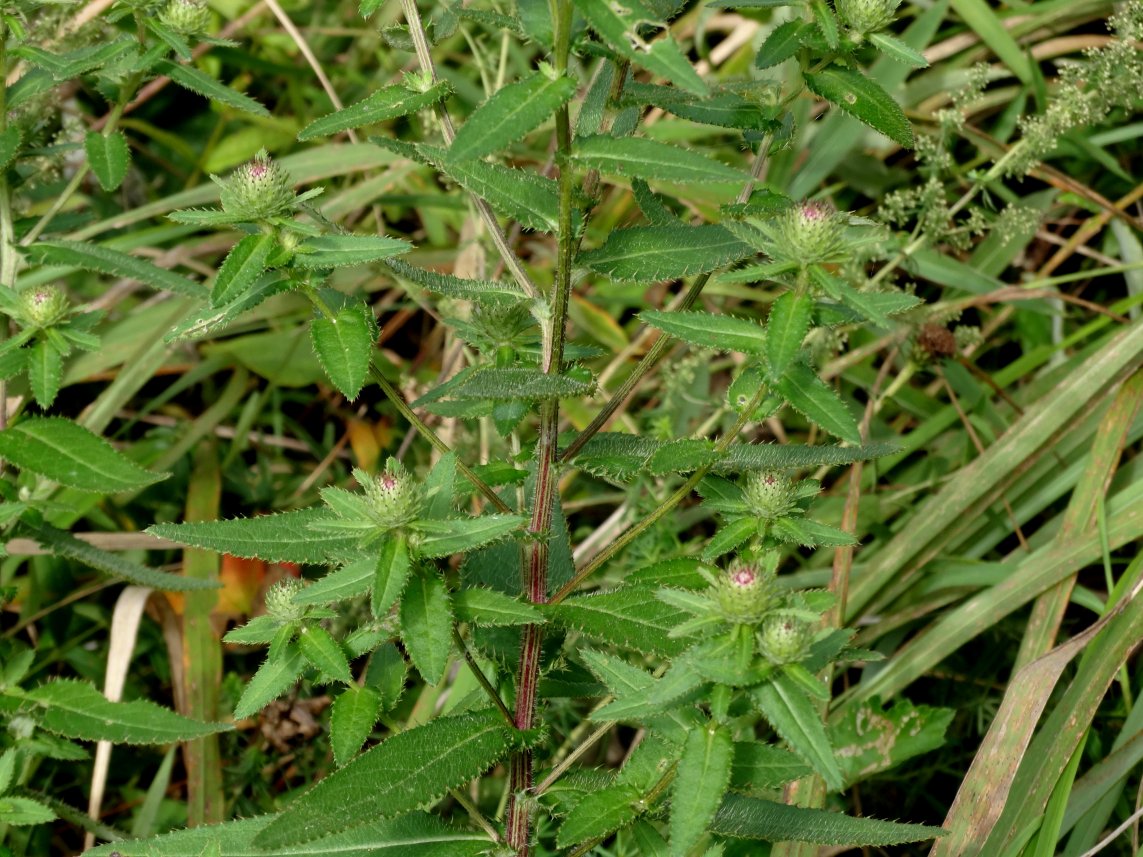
(456, 535)
(803, 531)
(510, 113)
(897, 50)
(517, 383)
(725, 109)
(18, 811)
(209, 319)
(729, 537)
(275, 676)
(863, 99)
(682, 456)
(45, 372)
(654, 253)
(284, 537)
(259, 630)
(406, 771)
(762, 767)
(786, 329)
(524, 196)
(344, 347)
(386, 103)
(108, 156)
(798, 721)
(658, 698)
(751, 818)
(440, 488)
(10, 139)
(426, 625)
(347, 582)
(71, 64)
(869, 738)
(323, 652)
(69, 454)
(189, 77)
(787, 456)
(243, 265)
(722, 332)
(104, 260)
(488, 607)
(630, 617)
(457, 287)
(812, 397)
(355, 711)
(618, 26)
(413, 835)
(390, 575)
(826, 21)
(76, 710)
(641, 158)
(337, 251)
(701, 779)
(599, 813)
(782, 43)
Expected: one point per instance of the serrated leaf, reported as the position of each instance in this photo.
(243, 265)
(355, 711)
(724, 109)
(826, 21)
(799, 722)
(488, 607)
(773, 456)
(406, 771)
(45, 372)
(413, 835)
(729, 537)
(284, 537)
(523, 383)
(210, 319)
(782, 43)
(618, 26)
(863, 99)
(109, 156)
(763, 767)
(722, 332)
(386, 103)
(682, 456)
(456, 535)
(786, 329)
(71, 64)
(870, 738)
(619, 676)
(337, 251)
(344, 347)
(510, 113)
(319, 647)
(701, 778)
(276, 675)
(897, 50)
(654, 253)
(75, 709)
(189, 77)
(630, 617)
(104, 260)
(19, 811)
(599, 813)
(69, 454)
(390, 575)
(752, 818)
(259, 630)
(641, 158)
(658, 698)
(813, 398)
(524, 196)
(426, 625)
(457, 287)
(347, 582)
(10, 139)
(803, 531)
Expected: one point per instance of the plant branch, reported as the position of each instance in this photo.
(481, 678)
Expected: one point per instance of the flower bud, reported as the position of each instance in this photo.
(395, 496)
(186, 17)
(785, 639)
(257, 190)
(43, 306)
(867, 16)
(810, 232)
(745, 593)
(769, 495)
(280, 600)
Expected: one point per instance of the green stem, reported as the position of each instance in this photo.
(481, 678)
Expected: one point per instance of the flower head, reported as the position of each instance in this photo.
(257, 190)
(43, 306)
(810, 232)
(186, 17)
(746, 592)
(280, 600)
(769, 494)
(867, 16)
(785, 639)
(396, 498)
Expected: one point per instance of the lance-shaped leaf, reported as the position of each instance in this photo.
(640, 158)
(347, 582)
(243, 265)
(811, 534)
(510, 113)
(338, 251)
(344, 347)
(630, 617)
(863, 99)
(701, 779)
(426, 625)
(17, 811)
(108, 156)
(44, 365)
(77, 710)
(722, 332)
(69, 454)
(456, 287)
(189, 77)
(211, 319)
(799, 722)
(782, 43)
(752, 818)
(524, 196)
(764, 767)
(285, 537)
(618, 25)
(654, 253)
(488, 607)
(455, 535)
(774, 456)
(277, 674)
(390, 575)
(724, 109)
(408, 770)
(10, 139)
(386, 103)
(355, 711)
(319, 647)
(812, 397)
(599, 813)
(416, 834)
(786, 329)
(105, 260)
(517, 383)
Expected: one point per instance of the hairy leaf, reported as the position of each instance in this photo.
(722, 332)
(10, 139)
(517, 383)
(641, 158)
(724, 109)
(337, 251)
(355, 711)
(524, 196)
(18, 811)
(457, 287)
(386, 103)
(863, 99)
(108, 156)
(870, 738)
(798, 721)
(426, 625)
(654, 253)
(599, 813)
(488, 607)
(277, 674)
(104, 260)
(630, 617)
(782, 43)
(812, 397)
(244, 264)
(44, 366)
(701, 779)
(344, 347)
(763, 767)
(189, 77)
(510, 113)
(390, 575)
(323, 652)
(786, 328)
(455, 535)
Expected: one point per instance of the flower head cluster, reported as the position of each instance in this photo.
(746, 592)
(785, 638)
(186, 17)
(867, 16)
(769, 494)
(257, 190)
(395, 498)
(280, 600)
(43, 306)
